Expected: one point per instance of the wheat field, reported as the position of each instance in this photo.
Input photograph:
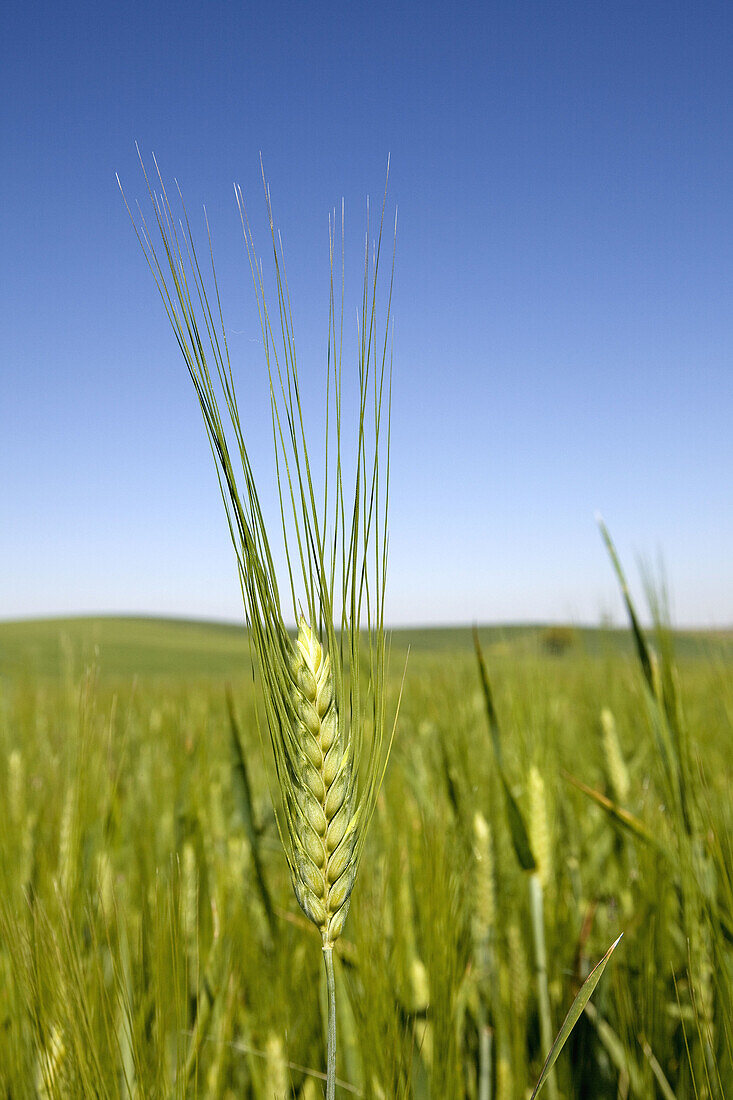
(150, 942)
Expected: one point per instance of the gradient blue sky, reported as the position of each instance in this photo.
(564, 290)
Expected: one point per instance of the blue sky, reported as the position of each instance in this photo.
(563, 337)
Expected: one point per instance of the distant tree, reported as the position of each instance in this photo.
(557, 640)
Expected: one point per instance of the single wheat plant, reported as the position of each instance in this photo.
(323, 693)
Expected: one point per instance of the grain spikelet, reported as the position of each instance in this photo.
(320, 811)
(414, 980)
(190, 906)
(105, 885)
(27, 854)
(68, 842)
(484, 888)
(49, 1069)
(616, 770)
(539, 830)
(23, 821)
(16, 787)
(504, 1080)
(277, 1084)
(376, 1089)
(701, 972)
(518, 970)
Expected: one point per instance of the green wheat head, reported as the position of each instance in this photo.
(325, 689)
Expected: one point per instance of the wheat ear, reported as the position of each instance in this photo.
(335, 541)
(322, 819)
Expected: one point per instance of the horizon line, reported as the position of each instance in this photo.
(468, 624)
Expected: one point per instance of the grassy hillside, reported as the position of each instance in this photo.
(123, 647)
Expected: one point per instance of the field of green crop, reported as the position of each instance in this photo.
(151, 945)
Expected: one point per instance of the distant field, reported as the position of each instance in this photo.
(151, 945)
(122, 647)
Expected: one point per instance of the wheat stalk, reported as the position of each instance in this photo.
(322, 818)
(336, 550)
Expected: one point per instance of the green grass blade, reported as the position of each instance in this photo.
(576, 1008)
(518, 830)
(240, 777)
(488, 698)
(617, 813)
(641, 647)
(664, 1086)
(659, 701)
(515, 818)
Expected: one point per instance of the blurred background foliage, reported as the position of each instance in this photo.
(150, 944)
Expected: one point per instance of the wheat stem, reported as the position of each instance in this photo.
(485, 1040)
(331, 1054)
(323, 690)
(540, 950)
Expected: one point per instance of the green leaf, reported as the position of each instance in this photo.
(488, 699)
(518, 830)
(618, 814)
(641, 647)
(664, 1086)
(515, 820)
(576, 1008)
(660, 701)
(243, 793)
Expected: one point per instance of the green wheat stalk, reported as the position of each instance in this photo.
(324, 695)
